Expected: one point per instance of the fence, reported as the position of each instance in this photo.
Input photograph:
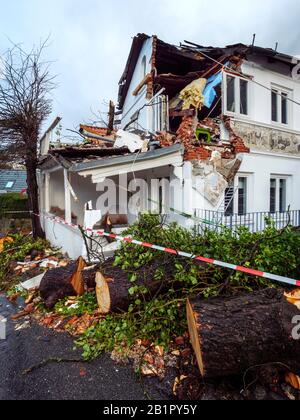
(255, 222)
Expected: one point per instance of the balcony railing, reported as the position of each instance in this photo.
(255, 222)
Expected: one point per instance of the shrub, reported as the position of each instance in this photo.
(13, 202)
(163, 318)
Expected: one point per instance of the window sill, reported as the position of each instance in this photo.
(238, 116)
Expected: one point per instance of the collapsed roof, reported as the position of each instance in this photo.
(173, 67)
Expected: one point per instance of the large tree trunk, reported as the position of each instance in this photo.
(33, 195)
(231, 335)
(112, 285)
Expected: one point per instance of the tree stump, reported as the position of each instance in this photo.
(230, 335)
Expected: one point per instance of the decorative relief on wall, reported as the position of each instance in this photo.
(267, 139)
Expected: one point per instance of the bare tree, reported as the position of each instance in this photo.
(25, 104)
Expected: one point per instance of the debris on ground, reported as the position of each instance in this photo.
(133, 307)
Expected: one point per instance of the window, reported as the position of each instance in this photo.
(273, 196)
(244, 97)
(144, 67)
(9, 185)
(282, 195)
(230, 93)
(229, 201)
(278, 195)
(236, 198)
(242, 196)
(237, 95)
(280, 106)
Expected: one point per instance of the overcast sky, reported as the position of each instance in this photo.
(90, 39)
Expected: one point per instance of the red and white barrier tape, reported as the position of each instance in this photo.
(211, 261)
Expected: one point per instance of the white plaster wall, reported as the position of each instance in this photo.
(260, 98)
(57, 189)
(66, 238)
(260, 169)
(85, 191)
(133, 103)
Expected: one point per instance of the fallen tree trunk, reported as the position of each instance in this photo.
(230, 335)
(62, 282)
(112, 286)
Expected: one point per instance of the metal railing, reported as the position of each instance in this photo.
(255, 222)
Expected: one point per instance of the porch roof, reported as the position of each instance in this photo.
(109, 162)
(125, 159)
(101, 169)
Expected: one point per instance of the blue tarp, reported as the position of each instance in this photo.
(210, 92)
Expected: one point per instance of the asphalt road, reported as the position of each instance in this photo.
(101, 379)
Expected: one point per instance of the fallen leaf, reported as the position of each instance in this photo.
(176, 353)
(159, 350)
(293, 297)
(149, 358)
(159, 363)
(186, 352)
(3, 240)
(179, 341)
(293, 380)
(178, 382)
(82, 372)
(149, 371)
(13, 298)
(30, 298)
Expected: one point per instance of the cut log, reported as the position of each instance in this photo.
(77, 278)
(230, 335)
(62, 282)
(103, 294)
(112, 286)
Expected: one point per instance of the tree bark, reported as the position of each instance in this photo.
(231, 335)
(112, 285)
(33, 196)
(62, 282)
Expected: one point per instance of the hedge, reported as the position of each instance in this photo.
(13, 202)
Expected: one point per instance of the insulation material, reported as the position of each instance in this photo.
(192, 95)
(132, 141)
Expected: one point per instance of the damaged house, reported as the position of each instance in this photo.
(212, 133)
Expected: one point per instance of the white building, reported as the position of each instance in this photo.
(213, 133)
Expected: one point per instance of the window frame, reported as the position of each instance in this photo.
(248, 198)
(237, 95)
(278, 204)
(280, 91)
(9, 185)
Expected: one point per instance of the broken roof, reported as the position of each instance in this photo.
(81, 159)
(137, 44)
(91, 129)
(189, 61)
